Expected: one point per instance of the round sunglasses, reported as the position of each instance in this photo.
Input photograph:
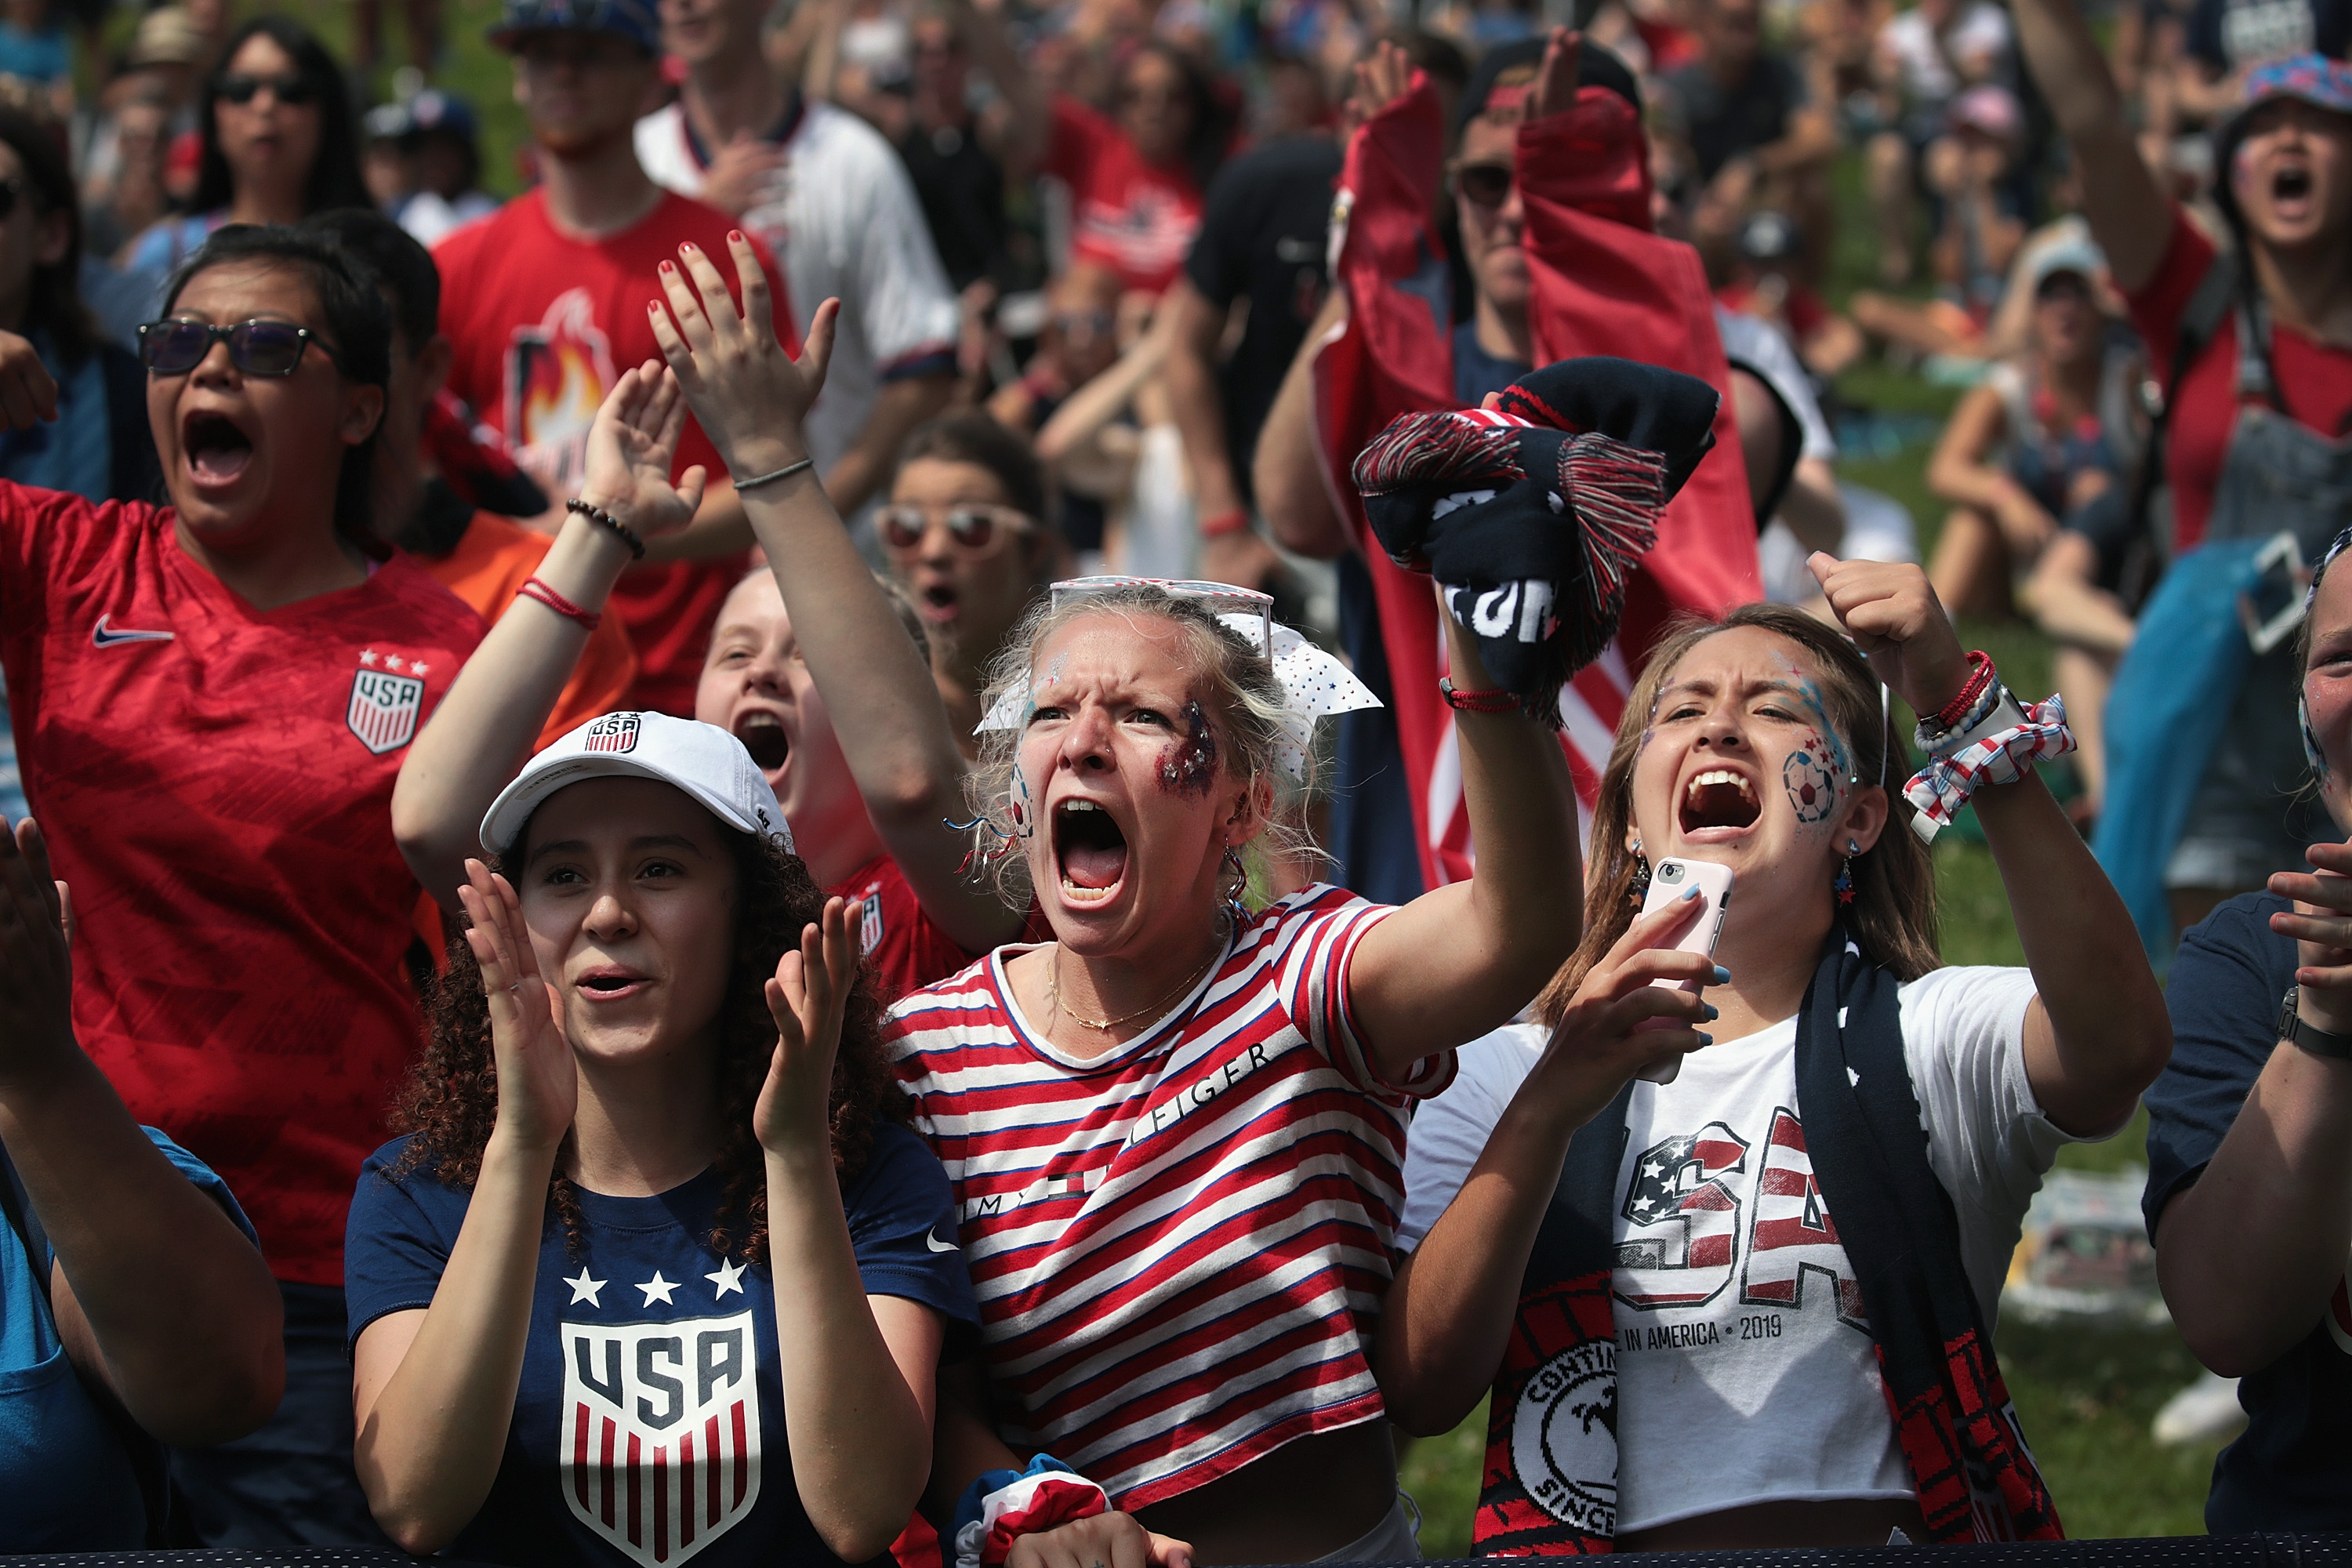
(256, 347)
(971, 527)
(290, 90)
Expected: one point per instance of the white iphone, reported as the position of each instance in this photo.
(1670, 880)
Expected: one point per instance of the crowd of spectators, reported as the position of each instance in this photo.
(299, 409)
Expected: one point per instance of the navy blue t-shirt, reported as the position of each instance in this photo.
(649, 1425)
(2293, 1468)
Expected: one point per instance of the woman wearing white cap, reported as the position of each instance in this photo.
(1175, 1130)
(652, 1126)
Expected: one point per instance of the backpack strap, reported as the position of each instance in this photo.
(2209, 306)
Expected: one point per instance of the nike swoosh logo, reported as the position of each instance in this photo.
(105, 636)
(931, 1240)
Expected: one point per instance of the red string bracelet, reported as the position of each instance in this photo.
(532, 588)
(1495, 702)
(1216, 525)
(1980, 677)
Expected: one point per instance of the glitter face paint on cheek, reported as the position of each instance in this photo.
(1189, 768)
(1828, 745)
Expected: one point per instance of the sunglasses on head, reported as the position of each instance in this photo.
(972, 526)
(290, 90)
(1484, 184)
(255, 347)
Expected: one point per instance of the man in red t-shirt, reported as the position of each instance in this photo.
(544, 304)
(1136, 182)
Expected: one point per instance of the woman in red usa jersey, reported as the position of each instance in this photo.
(809, 665)
(654, 1128)
(1175, 1130)
(1751, 1305)
(212, 699)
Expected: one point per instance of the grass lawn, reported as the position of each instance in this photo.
(2086, 1398)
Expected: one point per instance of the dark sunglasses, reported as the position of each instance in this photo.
(290, 90)
(1484, 184)
(972, 526)
(255, 347)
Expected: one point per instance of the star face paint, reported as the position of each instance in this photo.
(1829, 746)
(1189, 768)
(1813, 788)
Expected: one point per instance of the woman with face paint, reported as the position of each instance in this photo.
(2250, 1138)
(1705, 1297)
(2254, 355)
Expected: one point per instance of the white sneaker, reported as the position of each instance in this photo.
(2207, 1410)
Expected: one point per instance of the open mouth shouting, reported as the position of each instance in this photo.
(2291, 189)
(764, 736)
(1090, 850)
(1718, 804)
(216, 449)
(938, 602)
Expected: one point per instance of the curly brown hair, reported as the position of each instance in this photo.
(451, 1101)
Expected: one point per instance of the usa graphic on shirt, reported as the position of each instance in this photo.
(663, 1449)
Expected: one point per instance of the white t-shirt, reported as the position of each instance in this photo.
(1980, 35)
(1745, 1373)
(841, 217)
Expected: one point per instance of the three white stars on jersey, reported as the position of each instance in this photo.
(394, 663)
(729, 1277)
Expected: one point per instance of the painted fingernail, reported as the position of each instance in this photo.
(1711, 1013)
(1706, 1039)
(669, 267)
(1689, 893)
(1722, 975)
(734, 236)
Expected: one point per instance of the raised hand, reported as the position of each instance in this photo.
(1381, 78)
(630, 448)
(1619, 1023)
(36, 970)
(538, 1083)
(751, 397)
(2322, 926)
(1554, 91)
(29, 392)
(807, 996)
(1894, 619)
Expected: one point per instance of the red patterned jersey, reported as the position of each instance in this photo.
(543, 325)
(905, 948)
(217, 784)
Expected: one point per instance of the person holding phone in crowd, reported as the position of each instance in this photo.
(2250, 1137)
(656, 1272)
(1808, 1226)
(212, 699)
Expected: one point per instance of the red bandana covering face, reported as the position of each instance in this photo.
(1602, 284)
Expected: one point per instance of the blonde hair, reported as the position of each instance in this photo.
(1893, 916)
(1245, 701)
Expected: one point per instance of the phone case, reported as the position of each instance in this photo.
(1669, 880)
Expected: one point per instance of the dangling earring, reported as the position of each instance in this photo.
(1843, 886)
(1233, 905)
(1641, 887)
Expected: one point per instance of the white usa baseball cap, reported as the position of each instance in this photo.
(703, 760)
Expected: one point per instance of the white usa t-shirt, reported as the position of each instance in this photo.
(840, 215)
(1746, 1372)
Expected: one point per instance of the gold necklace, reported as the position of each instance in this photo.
(1053, 993)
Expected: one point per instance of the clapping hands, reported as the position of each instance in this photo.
(538, 1083)
(630, 448)
(808, 996)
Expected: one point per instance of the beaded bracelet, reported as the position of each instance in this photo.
(597, 514)
(1493, 702)
(540, 593)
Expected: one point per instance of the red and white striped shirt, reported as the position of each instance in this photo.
(1180, 1246)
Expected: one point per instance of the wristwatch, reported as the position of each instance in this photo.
(2318, 1042)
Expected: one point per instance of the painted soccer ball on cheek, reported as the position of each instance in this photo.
(1811, 782)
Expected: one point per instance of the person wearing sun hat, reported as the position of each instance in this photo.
(2254, 355)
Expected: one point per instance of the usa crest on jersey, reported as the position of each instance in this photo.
(384, 710)
(661, 1432)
